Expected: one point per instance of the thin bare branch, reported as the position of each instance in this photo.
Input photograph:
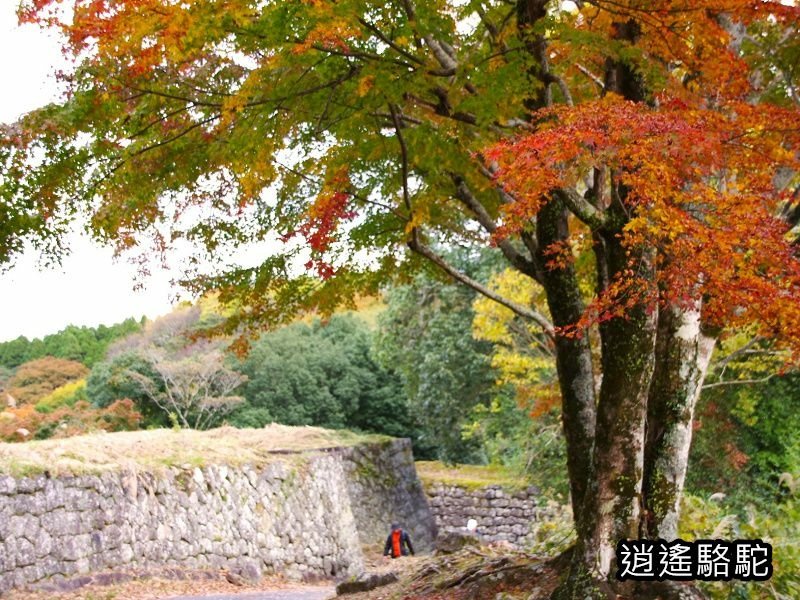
(738, 382)
(523, 311)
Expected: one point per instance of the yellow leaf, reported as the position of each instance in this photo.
(365, 85)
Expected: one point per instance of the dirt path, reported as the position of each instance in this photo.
(156, 588)
(304, 593)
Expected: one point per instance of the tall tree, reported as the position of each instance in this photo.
(170, 372)
(425, 334)
(657, 136)
(195, 388)
(322, 374)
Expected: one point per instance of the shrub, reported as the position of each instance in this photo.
(779, 526)
(26, 423)
(66, 395)
(249, 416)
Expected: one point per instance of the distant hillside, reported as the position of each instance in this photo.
(86, 345)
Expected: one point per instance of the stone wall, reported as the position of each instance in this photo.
(384, 488)
(304, 514)
(502, 515)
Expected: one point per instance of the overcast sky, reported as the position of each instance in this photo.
(91, 288)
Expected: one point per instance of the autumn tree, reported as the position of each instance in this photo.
(659, 138)
(522, 426)
(112, 379)
(170, 373)
(36, 379)
(197, 389)
(27, 422)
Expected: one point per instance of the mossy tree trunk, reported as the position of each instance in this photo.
(612, 508)
(683, 351)
(653, 362)
(573, 358)
(573, 354)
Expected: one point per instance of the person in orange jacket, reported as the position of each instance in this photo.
(398, 543)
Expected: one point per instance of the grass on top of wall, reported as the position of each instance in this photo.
(157, 449)
(470, 477)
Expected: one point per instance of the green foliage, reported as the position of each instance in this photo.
(203, 125)
(171, 369)
(16, 352)
(322, 374)
(86, 345)
(250, 416)
(511, 437)
(776, 56)
(425, 333)
(747, 436)
(114, 378)
(778, 525)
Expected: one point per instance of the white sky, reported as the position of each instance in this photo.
(90, 288)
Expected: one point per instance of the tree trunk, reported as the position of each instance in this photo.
(606, 443)
(573, 354)
(612, 506)
(683, 352)
(573, 357)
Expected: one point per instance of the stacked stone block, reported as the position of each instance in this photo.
(301, 514)
(502, 515)
(384, 489)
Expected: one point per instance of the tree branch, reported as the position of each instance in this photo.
(409, 8)
(595, 79)
(364, 55)
(389, 42)
(403, 117)
(582, 208)
(443, 107)
(404, 160)
(738, 382)
(562, 85)
(520, 262)
(416, 246)
(178, 135)
(442, 56)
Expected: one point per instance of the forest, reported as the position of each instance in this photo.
(582, 218)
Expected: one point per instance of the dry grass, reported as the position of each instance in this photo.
(470, 477)
(157, 449)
